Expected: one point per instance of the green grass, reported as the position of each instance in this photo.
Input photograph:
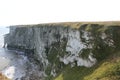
(108, 69)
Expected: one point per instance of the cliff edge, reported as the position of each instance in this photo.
(69, 51)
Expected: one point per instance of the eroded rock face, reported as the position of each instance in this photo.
(3, 77)
(54, 46)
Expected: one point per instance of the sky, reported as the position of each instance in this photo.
(16, 12)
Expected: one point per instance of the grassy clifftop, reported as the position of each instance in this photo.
(71, 24)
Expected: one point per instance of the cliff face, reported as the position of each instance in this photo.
(55, 46)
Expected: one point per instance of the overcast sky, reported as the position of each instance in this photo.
(14, 12)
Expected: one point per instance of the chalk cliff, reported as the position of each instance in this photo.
(55, 46)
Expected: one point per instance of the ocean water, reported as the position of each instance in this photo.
(12, 64)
